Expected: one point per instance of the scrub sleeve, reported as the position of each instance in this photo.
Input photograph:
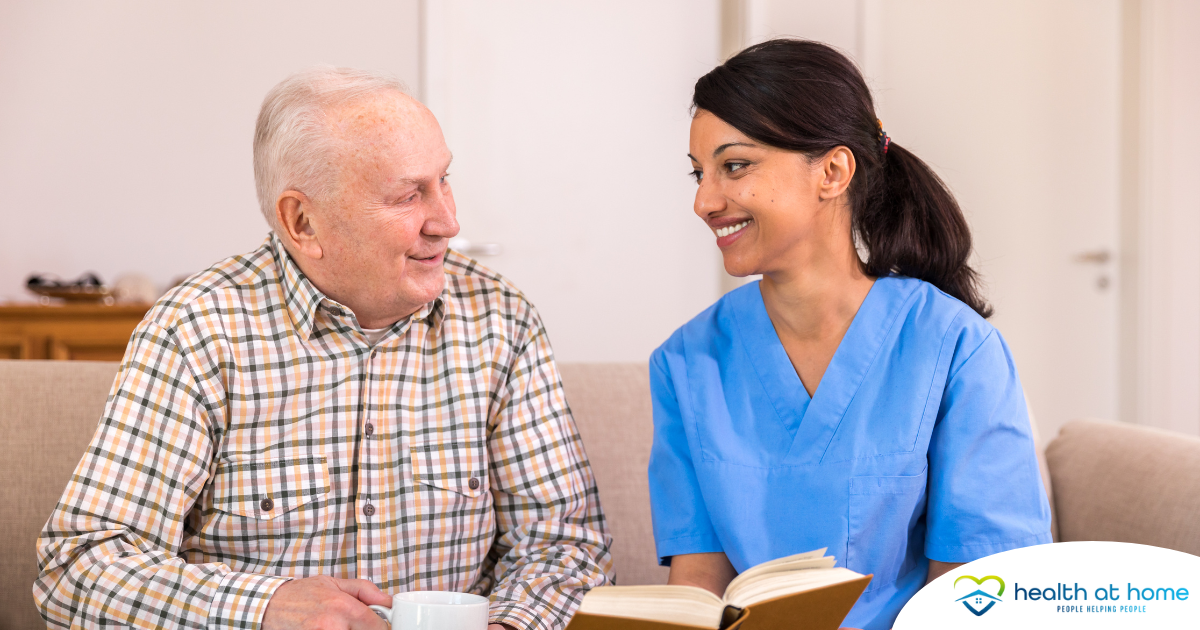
(680, 516)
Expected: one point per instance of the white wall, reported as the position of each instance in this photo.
(126, 126)
(569, 125)
(838, 24)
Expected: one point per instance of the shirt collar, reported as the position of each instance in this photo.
(302, 298)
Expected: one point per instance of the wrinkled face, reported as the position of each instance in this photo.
(386, 224)
(762, 203)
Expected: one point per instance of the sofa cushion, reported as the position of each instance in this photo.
(49, 412)
(1126, 483)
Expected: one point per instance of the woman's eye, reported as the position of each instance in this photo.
(735, 166)
(697, 175)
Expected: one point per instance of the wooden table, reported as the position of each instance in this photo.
(71, 332)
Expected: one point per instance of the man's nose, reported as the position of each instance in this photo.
(441, 220)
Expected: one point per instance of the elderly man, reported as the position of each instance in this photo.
(348, 411)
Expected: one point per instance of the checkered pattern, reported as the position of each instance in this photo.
(253, 435)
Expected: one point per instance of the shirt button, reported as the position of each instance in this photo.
(374, 353)
(473, 483)
(369, 509)
(370, 429)
(266, 504)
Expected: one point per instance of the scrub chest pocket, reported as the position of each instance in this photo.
(880, 509)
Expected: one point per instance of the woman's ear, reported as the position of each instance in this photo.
(838, 168)
(294, 216)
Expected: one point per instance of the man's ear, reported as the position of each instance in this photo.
(837, 169)
(293, 215)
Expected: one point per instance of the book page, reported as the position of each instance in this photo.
(687, 605)
(806, 560)
(786, 583)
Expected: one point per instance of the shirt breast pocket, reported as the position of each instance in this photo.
(452, 497)
(883, 536)
(268, 503)
(459, 467)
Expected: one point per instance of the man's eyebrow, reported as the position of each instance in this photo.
(418, 181)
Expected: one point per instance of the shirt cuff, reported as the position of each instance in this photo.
(241, 600)
(517, 615)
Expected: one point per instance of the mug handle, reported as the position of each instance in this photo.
(382, 611)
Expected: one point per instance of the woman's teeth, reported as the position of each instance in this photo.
(726, 231)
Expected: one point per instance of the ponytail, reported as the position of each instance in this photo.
(915, 228)
(805, 96)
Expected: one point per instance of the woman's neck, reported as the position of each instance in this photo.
(815, 297)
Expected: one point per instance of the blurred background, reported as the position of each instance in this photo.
(1066, 128)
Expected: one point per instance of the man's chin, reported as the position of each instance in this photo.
(423, 290)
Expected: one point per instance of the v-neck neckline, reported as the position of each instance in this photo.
(812, 420)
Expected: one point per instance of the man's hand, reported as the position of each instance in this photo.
(325, 603)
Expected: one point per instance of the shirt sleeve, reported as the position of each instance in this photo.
(680, 517)
(985, 489)
(110, 553)
(553, 543)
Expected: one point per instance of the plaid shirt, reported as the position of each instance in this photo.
(253, 435)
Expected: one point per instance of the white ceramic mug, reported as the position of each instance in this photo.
(436, 610)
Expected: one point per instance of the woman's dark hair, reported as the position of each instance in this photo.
(807, 97)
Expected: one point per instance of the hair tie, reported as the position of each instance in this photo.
(884, 140)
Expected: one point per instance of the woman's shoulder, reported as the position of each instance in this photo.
(941, 315)
(705, 332)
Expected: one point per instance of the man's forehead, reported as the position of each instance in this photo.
(379, 114)
(387, 126)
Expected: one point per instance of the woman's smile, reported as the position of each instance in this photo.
(728, 234)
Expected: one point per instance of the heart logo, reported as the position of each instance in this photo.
(975, 600)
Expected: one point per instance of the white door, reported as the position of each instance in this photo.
(569, 127)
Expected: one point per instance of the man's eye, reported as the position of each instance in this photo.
(697, 175)
(442, 180)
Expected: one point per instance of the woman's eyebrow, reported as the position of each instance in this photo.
(732, 144)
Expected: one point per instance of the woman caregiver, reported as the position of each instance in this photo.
(855, 398)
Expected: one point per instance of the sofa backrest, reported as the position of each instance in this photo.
(611, 405)
(1126, 483)
(48, 413)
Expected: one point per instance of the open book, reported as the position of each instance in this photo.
(800, 591)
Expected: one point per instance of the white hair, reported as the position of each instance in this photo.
(291, 139)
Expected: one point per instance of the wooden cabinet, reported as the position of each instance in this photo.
(71, 332)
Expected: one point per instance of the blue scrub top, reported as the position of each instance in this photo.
(916, 445)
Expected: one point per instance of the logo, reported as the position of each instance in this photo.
(980, 600)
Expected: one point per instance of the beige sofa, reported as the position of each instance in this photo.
(1110, 482)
